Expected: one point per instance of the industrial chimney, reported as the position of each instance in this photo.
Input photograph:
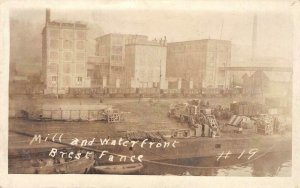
(254, 33)
(47, 15)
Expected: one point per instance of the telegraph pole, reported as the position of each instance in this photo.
(57, 80)
(254, 36)
(159, 80)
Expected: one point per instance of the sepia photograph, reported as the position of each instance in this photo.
(141, 91)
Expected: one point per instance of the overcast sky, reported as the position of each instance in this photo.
(274, 29)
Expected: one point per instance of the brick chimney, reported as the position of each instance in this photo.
(48, 16)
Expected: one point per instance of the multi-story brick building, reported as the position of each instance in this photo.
(64, 53)
(110, 49)
(145, 64)
(196, 63)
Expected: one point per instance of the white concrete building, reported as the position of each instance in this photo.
(145, 64)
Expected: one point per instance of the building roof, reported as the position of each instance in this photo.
(62, 24)
(120, 34)
(272, 76)
(95, 60)
(147, 43)
(199, 40)
(260, 75)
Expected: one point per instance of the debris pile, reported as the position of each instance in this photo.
(140, 136)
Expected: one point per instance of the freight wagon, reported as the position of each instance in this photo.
(136, 92)
(73, 112)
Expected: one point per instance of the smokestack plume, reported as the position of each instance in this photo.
(48, 15)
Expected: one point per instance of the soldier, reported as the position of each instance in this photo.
(101, 98)
(207, 103)
(140, 97)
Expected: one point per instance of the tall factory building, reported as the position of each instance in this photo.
(195, 64)
(145, 64)
(110, 50)
(64, 53)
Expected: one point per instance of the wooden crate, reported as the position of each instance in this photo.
(113, 117)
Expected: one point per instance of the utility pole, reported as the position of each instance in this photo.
(254, 35)
(160, 47)
(159, 80)
(221, 30)
(57, 80)
(100, 94)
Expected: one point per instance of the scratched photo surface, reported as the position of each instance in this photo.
(150, 92)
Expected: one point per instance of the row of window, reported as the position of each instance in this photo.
(78, 79)
(116, 58)
(102, 49)
(148, 84)
(117, 50)
(67, 34)
(67, 56)
(66, 44)
(116, 69)
(66, 80)
(67, 68)
(200, 47)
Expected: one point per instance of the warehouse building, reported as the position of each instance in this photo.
(269, 84)
(195, 64)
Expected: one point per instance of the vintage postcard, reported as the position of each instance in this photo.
(151, 88)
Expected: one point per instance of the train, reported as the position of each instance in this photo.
(141, 92)
(125, 92)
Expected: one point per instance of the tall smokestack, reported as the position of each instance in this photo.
(254, 33)
(48, 15)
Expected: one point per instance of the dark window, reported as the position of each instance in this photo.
(217, 145)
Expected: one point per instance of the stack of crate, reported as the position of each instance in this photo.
(265, 125)
(279, 125)
(113, 117)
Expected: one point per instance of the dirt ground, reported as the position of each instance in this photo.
(23, 102)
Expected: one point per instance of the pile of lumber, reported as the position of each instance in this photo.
(140, 136)
(265, 125)
(113, 117)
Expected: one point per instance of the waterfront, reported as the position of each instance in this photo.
(272, 164)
